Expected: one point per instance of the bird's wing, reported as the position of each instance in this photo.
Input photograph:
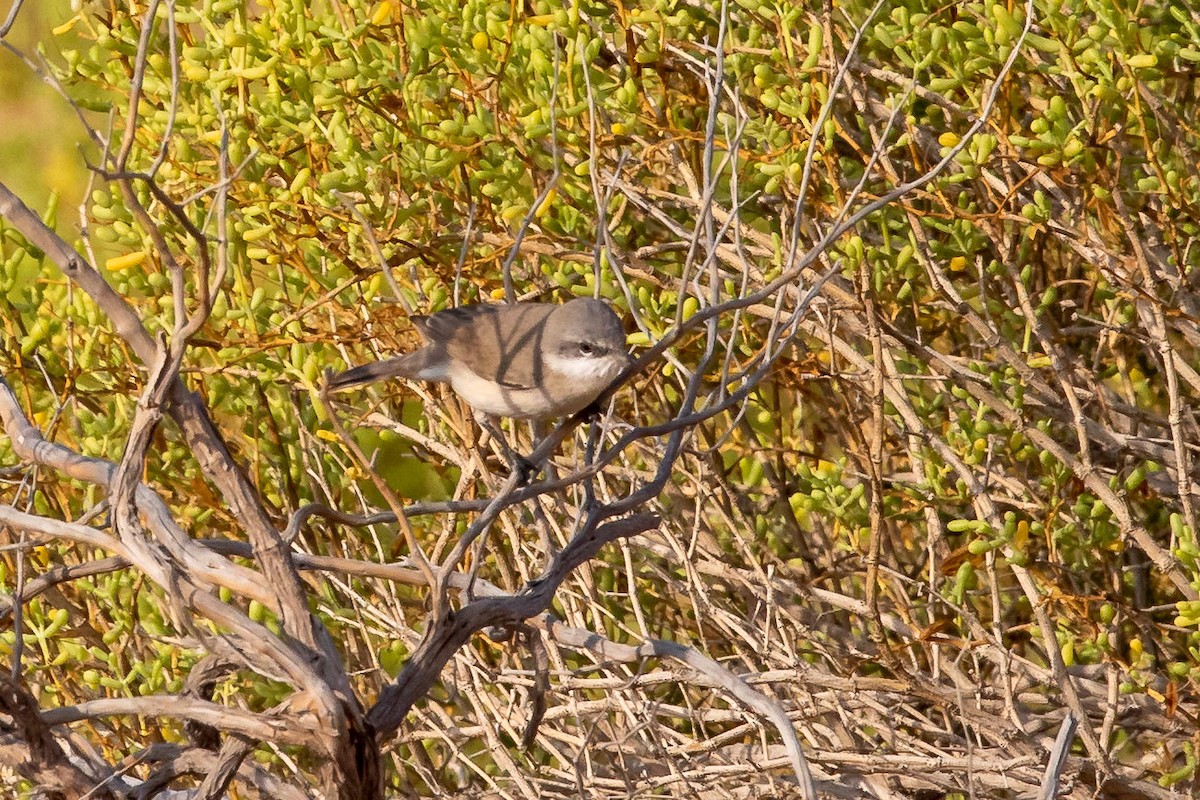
(440, 326)
(497, 343)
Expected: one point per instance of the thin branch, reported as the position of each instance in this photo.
(11, 19)
(425, 665)
(44, 763)
(295, 729)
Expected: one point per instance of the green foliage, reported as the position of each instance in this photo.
(1014, 284)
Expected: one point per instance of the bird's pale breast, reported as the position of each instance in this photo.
(562, 391)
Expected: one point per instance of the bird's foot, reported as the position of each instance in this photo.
(519, 465)
(592, 411)
(523, 468)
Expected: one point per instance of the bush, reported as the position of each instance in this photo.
(912, 291)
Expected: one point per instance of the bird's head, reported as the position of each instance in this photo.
(585, 340)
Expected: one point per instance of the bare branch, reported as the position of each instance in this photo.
(43, 762)
(453, 631)
(11, 19)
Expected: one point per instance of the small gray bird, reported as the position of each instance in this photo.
(525, 360)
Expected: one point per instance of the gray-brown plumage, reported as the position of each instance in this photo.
(524, 360)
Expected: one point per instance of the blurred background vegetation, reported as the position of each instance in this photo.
(39, 142)
(981, 452)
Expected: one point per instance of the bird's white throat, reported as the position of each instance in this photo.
(585, 369)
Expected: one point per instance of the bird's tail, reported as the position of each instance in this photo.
(405, 366)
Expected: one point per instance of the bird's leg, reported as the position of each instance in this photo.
(539, 429)
(519, 464)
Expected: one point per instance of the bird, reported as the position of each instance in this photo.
(528, 361)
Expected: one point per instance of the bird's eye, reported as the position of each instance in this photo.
(587, 349)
